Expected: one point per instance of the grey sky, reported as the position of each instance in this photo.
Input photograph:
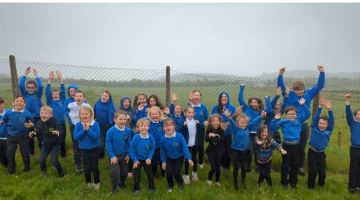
(237, 38)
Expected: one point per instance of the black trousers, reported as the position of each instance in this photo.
(137, 175)
(3, 156)
(63, 138)
(354, 173)
(155, 161)
(103, 131)
(251, 148)
(225, 150)
(76, 149)
(12, 142)
(200, 145)
(90, 158)
(304, 135)
(239, 158)
(130, 165)
(173, 168)
(265, 169)
(45, 151)
(317, 165)
(119, 170)
(193, 152)
(291, 159)
(215, 164)
(38, 136)
(276, 136)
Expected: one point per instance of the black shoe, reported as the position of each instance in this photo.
(44, 172)
(31, 155)
(284, 186)
(248, 170)
(63, 155)
(79, 168)
(294, 186)
(301, 173)
(181, 187)
(62, 174)
(113, 191)
(27, 169)
(310, 188)
(257, 170)
(354, 191)
(236, 186)
(243, 184)
(122, 185)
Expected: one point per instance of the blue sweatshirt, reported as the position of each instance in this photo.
(87, 139)
(270, 107)
(201, 114)
(142, 148)
(57, 106)
(33, 101)
(118, 141)
(173, 147)
(177, 119)
(231, 109)
(241, 137)
(3, 128)
(15, 122)
(130, 112)
(308, 94)
(354, 127)
(320, 139)
(104, 112)
(157, 131)
(140, 114)
(291, 128)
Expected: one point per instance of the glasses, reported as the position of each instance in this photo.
(291, 114)
(30, 88)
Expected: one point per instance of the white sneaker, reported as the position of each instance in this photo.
(218, 184)
(209, 182)
(201, 166)
(194, 176)
(96, 186)
(90, 185)
(170, 190)
(186, 179)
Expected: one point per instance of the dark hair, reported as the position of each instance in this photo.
(79, 91)
(157, 100)
(261, 105)
(119, 112)
(220, 105)
(54, 91)
(356, 111)
(136, 99)
(1, 100)
(107, 92)
(19, 95)
(31, 82)
(260, 130)
(168, 120)
(325, 118)
(290, 108)
(197, 91)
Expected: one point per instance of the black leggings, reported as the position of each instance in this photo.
(215, 167)
(265, 169)
(239, 158)
(200, 145)
(193, 151)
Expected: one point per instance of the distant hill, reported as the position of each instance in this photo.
(309, 74)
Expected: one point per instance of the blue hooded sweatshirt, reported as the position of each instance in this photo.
(231, 109)
(104, 112)
(130, 112)
(69, 100)
(33, 101)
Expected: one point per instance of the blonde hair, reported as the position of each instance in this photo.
(158, 110)
(169, 121)
(47, 108)
(242, 116)
(119, 112)
(89, 109)
(142, 121)
(221, 124)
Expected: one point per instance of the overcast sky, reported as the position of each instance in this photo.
(238, 38)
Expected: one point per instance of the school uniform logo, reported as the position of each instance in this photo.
(201, 113)
(60, 104)
(159, 129)
(175, 144)
(35, 96)
(247, 132)
(296, 121)
(51, 129)
(148, 146)
(125, 136)
(326, 132)
(22, 119)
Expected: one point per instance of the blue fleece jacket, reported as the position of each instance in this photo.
(231, 109)
(157, 131)
(320, 139)
(130, 112)
(201, 114)
(33, 101)
(87, 139)
(15, 122)
(3, 128)
(57, 106)
(291, 128)
(270, 107)
(173, 147)
(241, 137)
(104, 112)
(118, 141)
(354, 127)
(142, 148)
(308, 94)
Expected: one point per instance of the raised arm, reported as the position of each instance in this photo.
(328, 105)
(280, 81)
(40, 89)
(320, 84)
(241, 97)
(48, 95)
(269, 107)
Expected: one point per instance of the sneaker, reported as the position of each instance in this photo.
(310, 188)
(257, 169)
(122, 186)
(284, 186)
(201, 166)
(209, 182)
(97, 186)
(236, 186)
(181, 187)
(90, 185)
(170, 190)
(243, 184)
(259, 185)
(186, 179)
(27, 169)
(136, 191)
(79, 168)
(62, 174)
(114, 191)
(218, 184)
(294, 186)
(152, 190)
(354, 191)
(194, 176)
(130, 175)
(302, 173)
(31, 155)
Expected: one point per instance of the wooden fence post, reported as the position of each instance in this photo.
(167, 85)
(14, 77)
(339, 140)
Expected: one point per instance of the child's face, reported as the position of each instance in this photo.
(196, 98)
(291, 115)
(323, 125)
(45, 115)
(264, 133)
(141, 99)
(55, 96)
(120, 121)
(278, 105)
(126, 103)
(19, 103)
(242, 123)
(143, 128)
(254, 104)
(85, 116)
(2, 105)
(169, 128)
(224, 99)
(177, 110)
(31, 88)
(155, 115)
(190, 113)
(105, 97)
(79, 98)
(152, 102)
(299, 92)
(215, 122)
(72, 92)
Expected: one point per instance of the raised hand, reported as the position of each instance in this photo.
(278, 91)
(328, 104)
(287, 91)
(140, 107)
(263, 114)
(174, 97)
(27, 71)
(239, 110)
(242, 84)
(226, 113)
(282, 71)
(347, 97)
(321, 68)
(190, 96)
(59, 75)
(322, 101)
(35, 72)
(51, 75)
(301, 101)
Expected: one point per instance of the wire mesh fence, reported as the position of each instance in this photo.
(120, 82)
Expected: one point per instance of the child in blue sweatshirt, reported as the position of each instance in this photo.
(87, 133)
(118, 141)
(142, 149)
(321, 130)
(224, 103)
(291, 127)
(104, 110)
(264, 151)
(239, 148)
(18, 122)
(56, 100)
(173, 149)
(299, 92)
(32, 92)
(125, 105)
(140, 99)
(3, 133)
(354, 173)
(176, 112)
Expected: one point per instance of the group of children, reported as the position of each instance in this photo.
(149, 134)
